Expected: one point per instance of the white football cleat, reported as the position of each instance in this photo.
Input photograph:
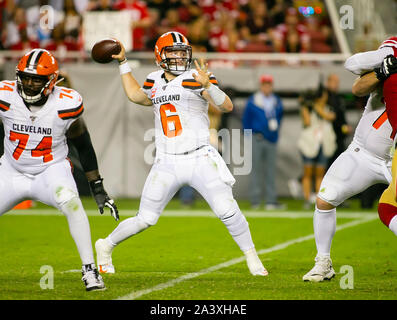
(91, 278)
(254, 263)
(321, 271)
(104, 256)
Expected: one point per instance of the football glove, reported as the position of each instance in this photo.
(102, 199)
(387, 68)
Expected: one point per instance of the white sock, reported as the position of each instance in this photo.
(79, 229)
(238, 228)
(126, 229)
(393, 225)
(324, 224)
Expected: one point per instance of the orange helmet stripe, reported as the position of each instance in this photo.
(38, 61)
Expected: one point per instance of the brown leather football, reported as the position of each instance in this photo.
(103, 50)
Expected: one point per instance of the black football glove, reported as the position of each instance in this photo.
(102, 199)
(387, 68)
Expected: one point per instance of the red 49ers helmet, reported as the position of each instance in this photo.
(41, 68)
(169, 42)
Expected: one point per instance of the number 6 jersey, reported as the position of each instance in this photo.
(35, 140)
(181, 113)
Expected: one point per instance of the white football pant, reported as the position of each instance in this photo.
(205, 171)
(54, 186)
(352, 172)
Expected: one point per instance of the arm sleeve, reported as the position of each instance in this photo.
(364, 61)
(86, 151)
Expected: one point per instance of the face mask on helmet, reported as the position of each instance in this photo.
(176, 59)
(32, 87)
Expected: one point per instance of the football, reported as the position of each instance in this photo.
(103, 50)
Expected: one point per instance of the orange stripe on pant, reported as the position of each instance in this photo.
(24, 205)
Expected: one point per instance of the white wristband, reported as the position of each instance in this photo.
(217, 95)
(124, 68)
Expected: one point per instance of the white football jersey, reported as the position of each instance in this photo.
(373, 132)
(35, 140)
(181, 113)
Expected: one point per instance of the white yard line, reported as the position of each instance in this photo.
(200, 213)
(137, 294)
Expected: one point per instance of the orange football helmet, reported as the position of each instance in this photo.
(36, 73)
(171, 42)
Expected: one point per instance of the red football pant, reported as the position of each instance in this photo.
(386, 213)
(390, 95)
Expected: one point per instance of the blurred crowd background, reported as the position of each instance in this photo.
(210, 25)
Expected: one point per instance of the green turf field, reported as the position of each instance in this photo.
(189, 255)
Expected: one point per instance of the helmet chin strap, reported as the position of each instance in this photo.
(31, 99)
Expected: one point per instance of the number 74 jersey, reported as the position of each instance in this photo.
(35, 140)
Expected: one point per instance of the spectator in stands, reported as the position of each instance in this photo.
(56, 41)
(292, 42)
(4, 12)
(235, 25)
(255, 31)
(153, 32)
(277, 9)
(101, 5)
(17, 32)
(141, 20)
(208, 7)
(291, 27)
(72, 25)
(320, 34)
(171, 22)
(32, 14)
(189, 10)
(223, 34)
(198, 31)
(317, 141)
(263, 114)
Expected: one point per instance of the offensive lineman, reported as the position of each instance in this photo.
(38, 116)
(180, 99)
(366, 161)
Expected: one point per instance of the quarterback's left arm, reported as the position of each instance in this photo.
(78, 134)
(211, 92)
